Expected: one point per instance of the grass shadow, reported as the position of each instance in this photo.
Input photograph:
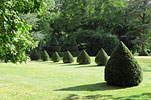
(85, 66)
(89, 97)
(90, 87)
(52, 62)
(143, 96)
(79, 65)
(69, 64)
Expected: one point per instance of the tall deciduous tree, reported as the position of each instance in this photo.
(14, 34)
(139, 15)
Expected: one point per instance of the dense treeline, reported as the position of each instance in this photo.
(95, 24)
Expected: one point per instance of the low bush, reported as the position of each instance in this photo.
(83, 58)
(45, 56)
(143, 53)
(56, 57)
(101, 58)
(68, 58)
(34, 55)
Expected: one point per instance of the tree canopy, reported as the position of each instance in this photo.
(14, 34)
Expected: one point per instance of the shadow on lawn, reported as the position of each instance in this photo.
(143, 96)
(80, 65)
(90, 87)
(85, 66)
(69, 64)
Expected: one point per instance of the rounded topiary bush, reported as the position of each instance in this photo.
(45, 56)
(68, 58)
(83, 58)
(101, 58)
(143, 53)
(56, 57)
(34, 55)
(122, 68)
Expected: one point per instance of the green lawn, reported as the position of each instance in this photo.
(58, 81)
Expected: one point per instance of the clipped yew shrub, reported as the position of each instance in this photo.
(143, 53)
(34, 54)
(45, 56)
(68, 58)
(101, 58)
(73, 47)
(55, 57)
(122, 69)
(53, 46)
(83, 58)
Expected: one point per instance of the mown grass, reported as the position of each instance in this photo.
(59, 81)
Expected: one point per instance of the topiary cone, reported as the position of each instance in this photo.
(101, 58)
(45, 56)
(122, 68)
(34, 55)
(143, 53)
(83, 58)
(56, 57)
(68, 58)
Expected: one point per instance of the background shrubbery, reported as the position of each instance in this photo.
(94, 41)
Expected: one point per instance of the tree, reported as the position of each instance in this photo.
(139, 15)
(122, 68)
(14, 34)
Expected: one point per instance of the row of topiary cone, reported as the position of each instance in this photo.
(83, 58)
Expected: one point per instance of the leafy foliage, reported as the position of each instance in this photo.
(68, 58)
(101, 58)
(87, 14)
(122, 68)
(83, 58)
(25, 6)
(139, 16)
(56, 57)
(14, 34)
